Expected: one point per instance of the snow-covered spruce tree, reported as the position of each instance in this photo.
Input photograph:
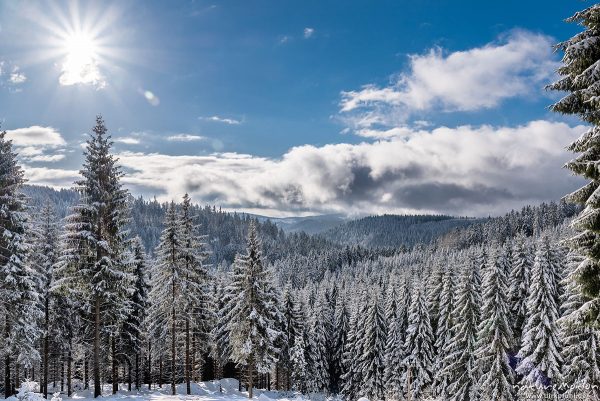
(460, 367)
(540, 358)
(292, 329)
(134, 324)
(393, 347)
(299, 370)
(579, 77)
(44, 256)
(444, 330)
(252, 318)
(580, 342)
(371, 360)
(220, 333)
(418, 363)
(319, 367)
(19, 310)
(351, 378)
(519, 285)
(495, 334)
(93, 257)
(197, 311)
(342, 326)
(168, 299)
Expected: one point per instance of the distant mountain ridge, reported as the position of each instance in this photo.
(392, 231)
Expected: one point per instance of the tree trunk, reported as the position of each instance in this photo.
(173, 389)
(115, 366)
(149, 366)
(62, 373)
(7, 383)
(188, 386)
(69, 371)
(86, 379)
(97, 388)
(137, 371)
(193, 360)
(129, 375)
(46, 344)
(160, 372)
(250, 378)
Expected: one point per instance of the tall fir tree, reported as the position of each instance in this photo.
(95, 240)
(494, 340)
(444, 330)
(460, 367)
(197, 311)
(579, 78)
(519, 285)
(580, 342)
(19, 309)
(418, 363)
(168, 300)
(393, 347)
(371, 361)
(253, 314)
(540, 356)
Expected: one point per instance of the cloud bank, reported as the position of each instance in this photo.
(475, 171)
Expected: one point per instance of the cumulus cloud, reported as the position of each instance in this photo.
(518, 64)
(36, 136)
(51, 177)
(463, 171)
(185, 138)
(37, 143)
(224, 120)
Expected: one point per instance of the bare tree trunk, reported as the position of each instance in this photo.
(86, 378)
(149, 366)
(138, 380)
(62, 373)
(160, 372)
(188, 387)
(250, 378)
(115, 366)
(173, 373)
(17, 378)
(97, 386)
(46, 351)
(129, 375)
(7, 383)
(69, 371)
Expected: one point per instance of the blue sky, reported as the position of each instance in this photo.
(283, 107)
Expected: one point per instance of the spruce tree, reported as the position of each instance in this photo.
(197, 311)
(418, 363)
(371, 360)
(44, 257)
(393, 347)
(540, 356)
(94, 243)
(579, 78)
(495, 335)
(444, 330)
(342, 326)
(519, 285)
(460, 366)
(319, 366)
(19, 310)
(253, 316)
(580, 351)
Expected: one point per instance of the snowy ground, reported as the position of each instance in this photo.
(218, 390)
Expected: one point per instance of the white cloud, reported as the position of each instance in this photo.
(518, 64)
(36, 136)
(127, 140)
(81, 71)
(224, 120)
(308, 32)
(464, 171)
(17, 77)
(47, 158)
(51, 177)
(185, 138)
(37, 144)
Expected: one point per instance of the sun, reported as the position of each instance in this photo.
(80, 64)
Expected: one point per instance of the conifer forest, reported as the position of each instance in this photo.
(106, 292)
